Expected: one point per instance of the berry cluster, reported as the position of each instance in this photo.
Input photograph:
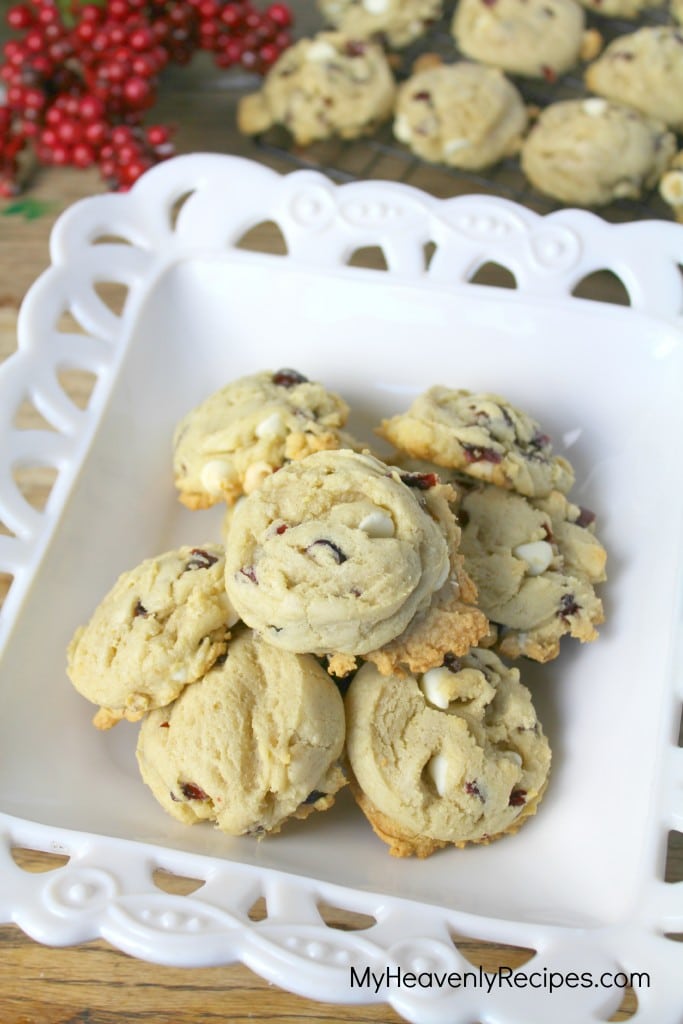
(81, 76)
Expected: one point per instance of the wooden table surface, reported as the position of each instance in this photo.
(95, 984)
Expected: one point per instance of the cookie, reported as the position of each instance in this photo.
(397, 22)
(161, 626)
(252, 744)
(676, 9)
(240, 434)
(589, 152)
(482, 435)
(330, 85)
(535, 563)
(336, 554)
(463, 115)
(643, 69)
(532, 38)
(450, 757)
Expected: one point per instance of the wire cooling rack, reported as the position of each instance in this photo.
(381, 156)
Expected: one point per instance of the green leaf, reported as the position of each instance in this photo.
(29, 209)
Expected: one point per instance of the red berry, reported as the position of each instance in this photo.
(83, 155)
(280, 14)
(19, 17)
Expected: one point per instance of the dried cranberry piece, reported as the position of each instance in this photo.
(200, 559)
(452, 662)
(355, 48)
(281, 529)
(314, 796)
(539, 440)
(549, 74)
(585, 517)
(287, 378)
(423, 95)
(517, 798)
(165, 725)
(191, 791)
(473, 789)
(476, 453)
(140, 610)
(422, 481)
(249, 572)
(568, 606)
(337, 552)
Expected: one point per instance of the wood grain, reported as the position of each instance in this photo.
(93, 983)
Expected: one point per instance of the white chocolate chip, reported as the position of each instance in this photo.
(375, 6)
(255, 475)
(402, 129)
(320, 51)
(594, 106)
(273, 426)
(377, 524)
(438, 685)
(538, 554)
(455, 145)
(180, 676)
(214, 475)
(437, 768)
(512, 755)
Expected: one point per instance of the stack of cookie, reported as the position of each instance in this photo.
(614, 137)
(400, 583)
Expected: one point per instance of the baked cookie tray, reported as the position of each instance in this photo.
(582, 886)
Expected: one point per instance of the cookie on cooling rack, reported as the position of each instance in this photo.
(482, 435)
(533, 38)
(589, 152)
(240, 434)
(397, 22)
(252, 744)
(643, 69)
(331, 85)
(449, 757)
(464, 115)
(161, 626)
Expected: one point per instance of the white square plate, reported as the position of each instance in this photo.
(582, 883)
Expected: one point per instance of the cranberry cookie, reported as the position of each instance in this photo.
(330, 85)
(533, 38)
(589, 152)
(535, 563)
(242, 433)
(162, 626)
(255, 742)
(645, 70)
(453, 756)
(398, 22)
(337, 554)
(464, 115)
(482, 435)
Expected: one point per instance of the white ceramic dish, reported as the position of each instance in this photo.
(583, 883)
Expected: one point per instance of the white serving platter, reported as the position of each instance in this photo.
(582, 884)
